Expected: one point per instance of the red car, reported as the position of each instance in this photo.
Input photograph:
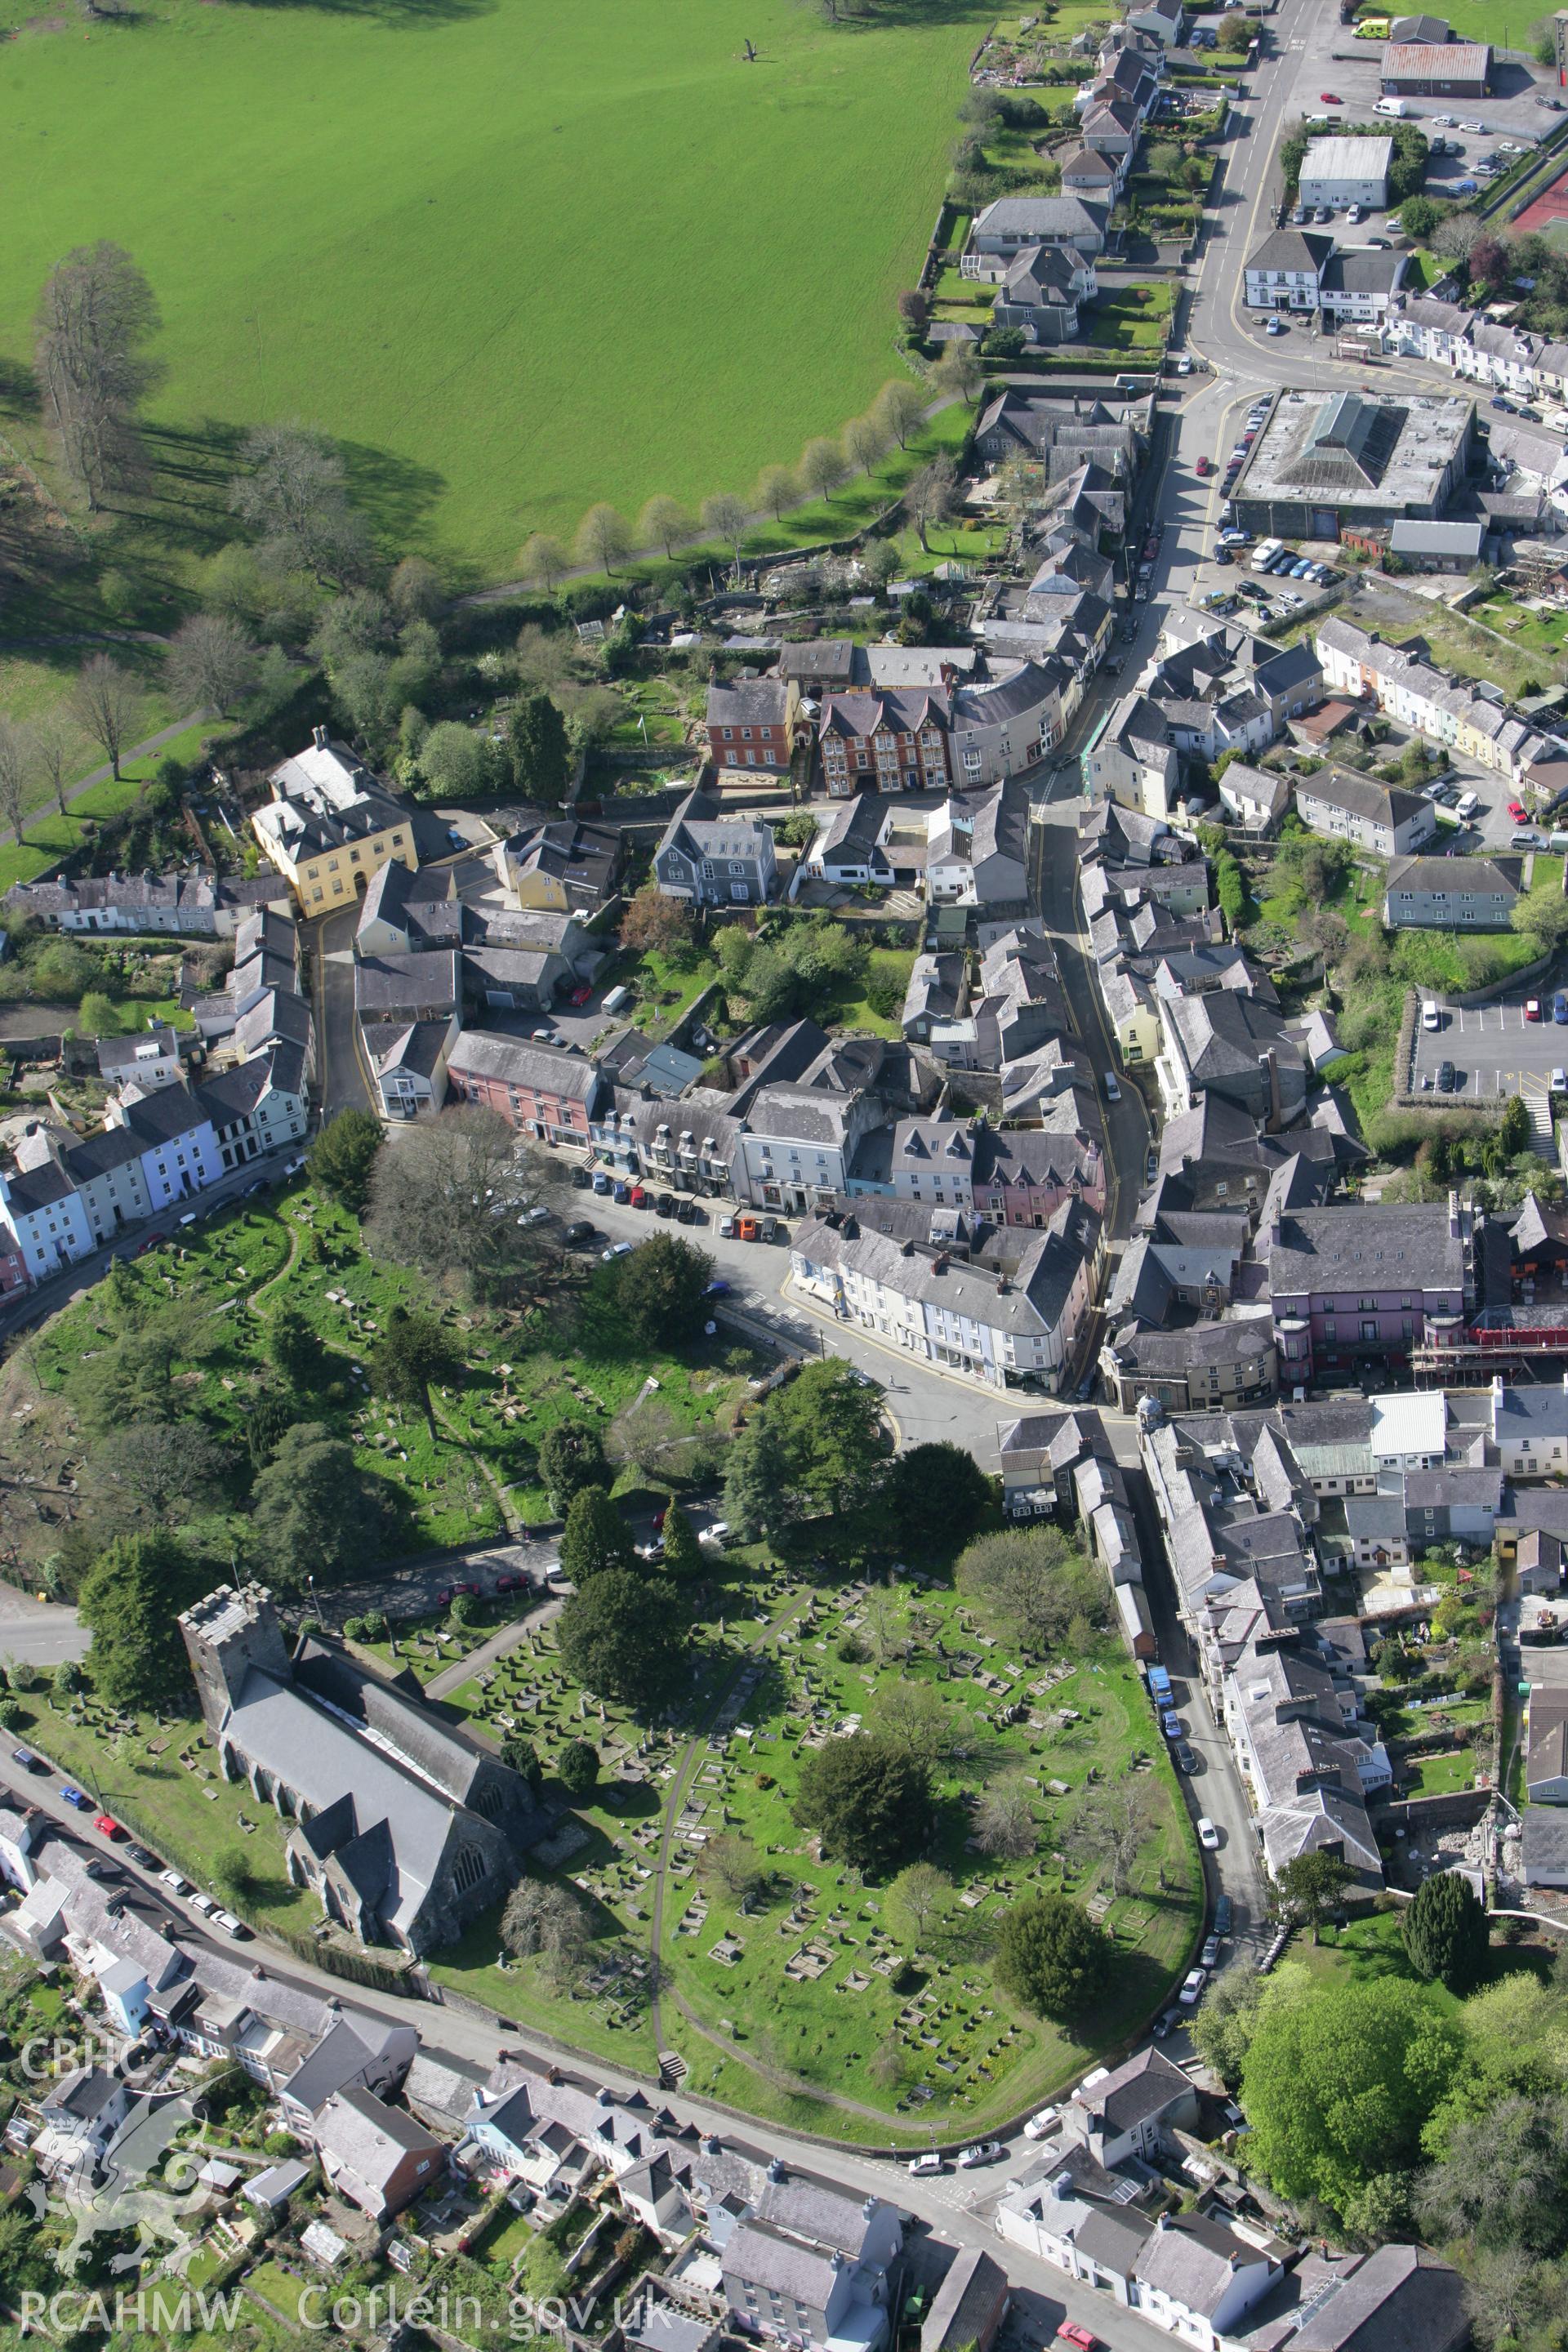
(151, 1242)
(581, 995)
(450, 1593)
(1519, 813)
(512, 1584)
(1327, 98)
(107, 1826)
(1072, 2331)
(1203, 466)
(1533, 1009)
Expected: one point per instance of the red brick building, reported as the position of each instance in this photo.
(891, 741)
(541, 1090)
(753, 725)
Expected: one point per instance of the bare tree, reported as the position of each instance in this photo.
(54, 744)
(822, 469)
(1004, 1822)
(103, 701)
(727, 518)
(94, 316)
(887, 1619)
(733, 1860)
(1456, 237)
(603, 538)
(664, 522)
(1114, 1823)
(292, 490)
(901, 407)
(416, 590)
(864, 440)
(544, 561)
(918, 1900)
(210, 662)
(452, 1199)
(778, 491)
(542, 1920)
(929, 499)
(17, 764)
(546, 658)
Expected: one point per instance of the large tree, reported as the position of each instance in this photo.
(18, 760)
(823, 467)
(1504, 2181)
(1444, 1932)
(452, 1200)
(1031, 1581)
(928, 497)
(652, 921)
(623, 1637)
(919, 1902)
(1338, 2083)
(937, 1493)
(292, 489)
(595, 1538)
(131, 1600)
(901, 407)
(1051, 1956)
(413, 1353)
(544, 1920)
(1005, 1822)
(544, 561)
(682, 1552)
(458, 763)
(571, 1456)
(95, 316)
(104, 702)
(1115, 1824)
(814, 1445)
(312, 1512)
(659, 1291)
(210, 662)
(538, 749)
(342, 1155)
(870, 1799)
(603, 540)
(146, 1473)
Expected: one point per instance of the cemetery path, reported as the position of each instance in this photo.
(501, 1642)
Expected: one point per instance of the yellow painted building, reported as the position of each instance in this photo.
(330, 825)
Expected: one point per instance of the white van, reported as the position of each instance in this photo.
(1466, 804)
(1264, 555)
(1393, 106)
(615, 999)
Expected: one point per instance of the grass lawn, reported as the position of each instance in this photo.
(1438, 1776)
(186, 1811)
(1540, 633)
(366, 180)
(666, 988)
(1130, 318)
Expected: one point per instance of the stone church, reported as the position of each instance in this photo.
(404, 1827)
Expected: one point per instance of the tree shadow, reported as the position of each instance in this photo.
(393, 495)
(393, 13)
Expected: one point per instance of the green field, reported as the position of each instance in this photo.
(518, 261)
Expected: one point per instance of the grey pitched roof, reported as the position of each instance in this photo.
(1359, 1245)
(1399, 2299)
(1361, 796)
(519, 1062)
(964, 2306)
(1141, 2087)
(1298, 249)
(372, 2138)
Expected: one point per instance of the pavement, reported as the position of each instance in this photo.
(1494, 1047)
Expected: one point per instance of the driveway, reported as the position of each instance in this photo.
(339, 1075)
(1494, 1049)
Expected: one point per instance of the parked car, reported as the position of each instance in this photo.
(727, 1228)
(1558, 1082)
(1208, 1836)
(1203, 467)
(204, 1904)
(142, 1859)
(1223, 555)
(1170, 1724)
(1431, 1015)
(580, 1231)
(1045, 2122)
(616, 1249)
(580, 1178)
(231, 1925)
(1444, 1078)
(1112, 1091)
(1186, 1755)
(664, 1204)
(582, 992)
(1560, 1008)
(450, 1593)
(1519, 813)
(922, 2166)
(1193, 1985)
(27, 1760)
(716, 1533)
(1275, 326)
(1533, 1008)
(718, 1288)
(1210, 1953)
(1164, 2022)
(1222, 1915)
(173, 1881)
(621, 1191)
(73, 1798)
(601, 1181)
(984, 2151)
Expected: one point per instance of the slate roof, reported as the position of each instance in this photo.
(1361, 796)
(371, 2139)
(1190, 2260)
(1142, 2086)
(519, 1062)
(1361, 1246)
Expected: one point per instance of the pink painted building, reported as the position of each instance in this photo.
(1358, 1284)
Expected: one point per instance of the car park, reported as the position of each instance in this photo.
(1533, 1008)
(1208, 1836)
(1193, 1985)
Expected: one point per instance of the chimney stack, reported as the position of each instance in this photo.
(319, 737)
